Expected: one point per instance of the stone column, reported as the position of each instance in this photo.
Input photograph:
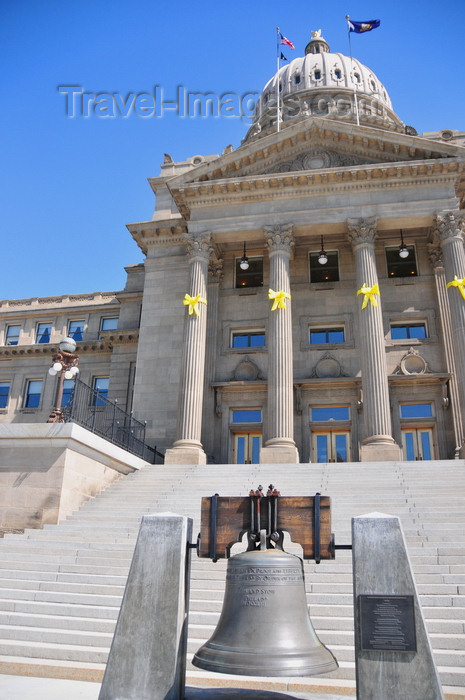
(437, 263)
(450, 227)
(210, 437)
(187, 448)
(378, 445)
(280, 446)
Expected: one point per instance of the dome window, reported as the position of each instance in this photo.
(338, 73)
(266, 97)
(373, 85)
(357, 77)
(317, 75)
(297, 79)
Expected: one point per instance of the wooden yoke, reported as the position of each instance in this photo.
(225, 519)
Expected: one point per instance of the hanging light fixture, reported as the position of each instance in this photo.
(323, 257)
(403, 250)
(244, 263)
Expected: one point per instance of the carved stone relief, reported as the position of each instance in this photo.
(412, 363)
(247, 371)
(328, 367)
(315, 159)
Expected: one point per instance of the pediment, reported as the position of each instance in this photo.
(317, 144)
(317, 159)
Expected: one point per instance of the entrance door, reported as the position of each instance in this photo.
(331, 446)
(246, 448)
(417, 444)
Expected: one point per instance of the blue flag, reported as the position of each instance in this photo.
(361, 27)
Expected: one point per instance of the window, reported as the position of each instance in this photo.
(297, 79)
(4, 393)
(326, 335)
(416, 410)
(357, 77)
(317, 75)
(253, 276)
(43, 332)
(75, 330)
(401, 267)
(33, 392)
(247, 415)
(68, 387)
(248, 339)
(325, 413)
(101, 385)
(407, 331)
(109, 324)
(12, 335)
(338, 74)
(324, 273)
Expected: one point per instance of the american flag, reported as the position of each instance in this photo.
(286, 41)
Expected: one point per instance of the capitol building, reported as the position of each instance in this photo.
(302, 297)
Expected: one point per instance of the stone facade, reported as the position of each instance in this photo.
(324, 377)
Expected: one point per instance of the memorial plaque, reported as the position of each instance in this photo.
(387, 623)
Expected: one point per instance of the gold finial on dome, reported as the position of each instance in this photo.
(317, 43)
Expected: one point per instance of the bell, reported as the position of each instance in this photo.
(264, 628)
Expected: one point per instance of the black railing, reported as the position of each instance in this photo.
(92, 410)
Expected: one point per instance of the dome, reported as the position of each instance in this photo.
(324, 84)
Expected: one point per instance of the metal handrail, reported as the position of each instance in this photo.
(93, 410)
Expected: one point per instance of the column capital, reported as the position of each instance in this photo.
(362, 231)
(279, 238)
(449, 224)
(198, 245)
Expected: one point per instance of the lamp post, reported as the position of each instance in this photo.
(65, 363)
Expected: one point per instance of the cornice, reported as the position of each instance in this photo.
(59, 303)
(367, 142)
(334, 181)
(14, 351)
(120, 337)
(430, 378)
(153, 233)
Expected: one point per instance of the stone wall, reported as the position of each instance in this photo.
(47, 471)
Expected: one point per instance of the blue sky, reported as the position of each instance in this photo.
(69, 185)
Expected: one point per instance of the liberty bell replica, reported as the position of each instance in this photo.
(264, 628)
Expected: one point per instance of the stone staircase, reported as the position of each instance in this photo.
(61, 587)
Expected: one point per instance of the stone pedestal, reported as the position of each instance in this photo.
(280, 446)
(187, 448)
(393, 655)
(378, 445)
(148, 653)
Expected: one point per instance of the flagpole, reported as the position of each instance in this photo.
(351, 63)
(278, 34)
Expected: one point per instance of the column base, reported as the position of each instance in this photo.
(380, 449)
(185, 453)
(279, 453)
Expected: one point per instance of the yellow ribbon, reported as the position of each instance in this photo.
(369, 294)
(193, 303)
(458, 283)
(278, 299)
